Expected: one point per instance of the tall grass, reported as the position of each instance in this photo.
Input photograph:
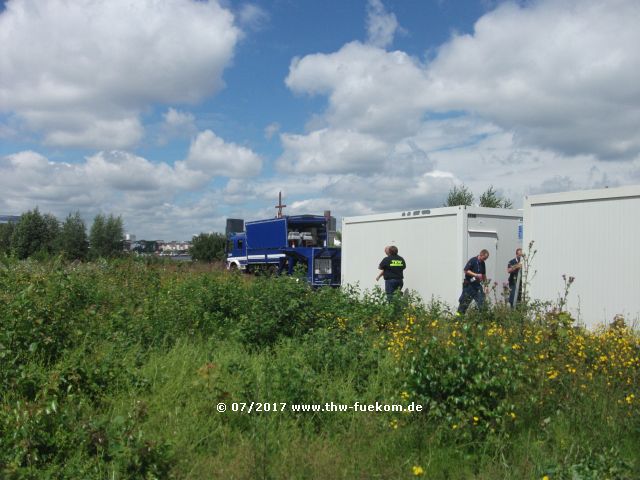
(116, 370)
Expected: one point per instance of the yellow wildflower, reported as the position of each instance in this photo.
(418, 470)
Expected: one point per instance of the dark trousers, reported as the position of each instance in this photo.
(512, 294)
(470, 292)
(391, 285)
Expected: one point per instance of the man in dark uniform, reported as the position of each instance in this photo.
(513, 268)
(475, 273)
(391, 267)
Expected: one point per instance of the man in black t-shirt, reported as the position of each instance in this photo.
(474, 274)
(391, 268)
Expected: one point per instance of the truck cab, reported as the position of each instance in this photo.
(237, 251)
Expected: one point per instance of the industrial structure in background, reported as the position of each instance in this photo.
(279, 244)
(436, 243)
(592, 236)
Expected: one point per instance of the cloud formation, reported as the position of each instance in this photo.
(540, 96)
(124, 183)
(561, 74)
(381, 25)
(80, 73)
(213, 156)
(252, 17)
(536, 94)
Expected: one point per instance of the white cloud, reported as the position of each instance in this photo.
(211, 155)
(81, 72)
(124, 171)
(381, 25)
(87, 129)
(344, 195)
(561, 74)
(253, 17)
(533, 100)
(176, 119)
(271, 130)
(370, 90)
(175, 124)
(149, 196)
(331, 151)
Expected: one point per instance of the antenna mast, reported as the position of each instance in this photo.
(280, 206)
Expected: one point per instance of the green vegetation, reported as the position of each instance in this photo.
(462, 195)
(106, 236)
(42, 236)
(459, 196)
(73, 241)
(34, 234)
(114, 370)
(208, 247)
(491, 199)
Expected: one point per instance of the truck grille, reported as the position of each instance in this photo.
(322, 266)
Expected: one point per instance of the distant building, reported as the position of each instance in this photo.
(174, 248)
(9, 218)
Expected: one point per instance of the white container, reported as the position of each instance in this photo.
(590, 235)
(435, 243)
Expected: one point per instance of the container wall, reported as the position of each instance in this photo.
(429, 246)
(594, 240)
(435, 243)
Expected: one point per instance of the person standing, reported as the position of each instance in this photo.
(391, 268)
(514, 268)
(475, 272)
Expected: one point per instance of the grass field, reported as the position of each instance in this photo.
(116, 370)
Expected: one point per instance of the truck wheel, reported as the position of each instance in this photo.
(233, 267)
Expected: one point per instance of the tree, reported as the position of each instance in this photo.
(207, 247)
(6, 232)
(106, 236)
(491, 199)
(459, 196)
(52, 232)
(34, 233)
(73, 241)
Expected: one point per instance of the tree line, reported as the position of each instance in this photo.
(462, 195)
(41, 235)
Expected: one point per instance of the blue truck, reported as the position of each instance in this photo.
(279, 244)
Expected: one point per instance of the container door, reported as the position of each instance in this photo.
(479, 240)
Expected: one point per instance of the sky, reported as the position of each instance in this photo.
(178, 114)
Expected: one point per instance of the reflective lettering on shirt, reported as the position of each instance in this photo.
(396, 263)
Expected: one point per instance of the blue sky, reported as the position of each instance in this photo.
(177, 114)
